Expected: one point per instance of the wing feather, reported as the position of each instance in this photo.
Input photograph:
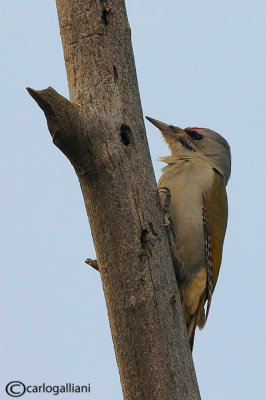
(215, 215)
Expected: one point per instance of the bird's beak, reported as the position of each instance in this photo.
(168, 131)
(160, 125)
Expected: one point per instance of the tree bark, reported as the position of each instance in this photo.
(102, 133)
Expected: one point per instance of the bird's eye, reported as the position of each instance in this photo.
(194, 134)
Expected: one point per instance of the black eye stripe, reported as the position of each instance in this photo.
(194, 134)
(185, 144)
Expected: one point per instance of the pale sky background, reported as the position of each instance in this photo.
(199, 63)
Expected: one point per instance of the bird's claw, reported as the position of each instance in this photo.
(168, 223)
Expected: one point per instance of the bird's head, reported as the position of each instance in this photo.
(193, 141)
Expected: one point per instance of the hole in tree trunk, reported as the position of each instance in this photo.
(126, 134)
(106, 14)
(143, 237)
(115, 74)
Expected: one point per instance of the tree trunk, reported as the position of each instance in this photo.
(102, 133)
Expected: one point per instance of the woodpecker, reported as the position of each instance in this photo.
(196, 176)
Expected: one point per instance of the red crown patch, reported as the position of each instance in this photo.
(194, 127)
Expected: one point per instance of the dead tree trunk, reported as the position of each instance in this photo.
(102, 133)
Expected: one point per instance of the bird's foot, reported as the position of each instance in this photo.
(165, 203)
